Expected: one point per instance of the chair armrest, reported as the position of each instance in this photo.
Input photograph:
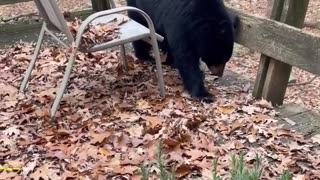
(113, 11)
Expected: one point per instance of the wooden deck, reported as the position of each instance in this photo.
(306, 121)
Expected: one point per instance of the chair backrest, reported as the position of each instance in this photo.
(52, 15)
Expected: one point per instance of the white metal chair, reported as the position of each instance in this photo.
(129, 31)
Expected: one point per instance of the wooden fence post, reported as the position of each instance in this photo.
(273, 76)
(274, 11)
(100, 5)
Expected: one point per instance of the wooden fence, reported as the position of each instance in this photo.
(281, 45)
(11, 33)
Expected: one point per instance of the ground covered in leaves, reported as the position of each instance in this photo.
(110, 121)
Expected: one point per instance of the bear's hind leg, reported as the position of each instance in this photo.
(169, 61)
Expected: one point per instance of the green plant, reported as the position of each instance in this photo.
(240, 172)
(145, 172)
(286, 176)
(164, 174)
(215, 175)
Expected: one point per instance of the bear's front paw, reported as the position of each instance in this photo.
(145, 57)
(207, 99)
(204, 96)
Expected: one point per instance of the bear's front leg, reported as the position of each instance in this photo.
(193, 78)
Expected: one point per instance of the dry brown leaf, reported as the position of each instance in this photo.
(250, 109)
(226, 109)
(5, 141)
(170, 142)
(15, 163)
(222, 126)
(125, 169)
(135, 130)
(99, 138)
(29, 167)
(206, 173)
(104, 152)
(44, 172)
(7, 175)
(299, 177)
(194, 154)
(12, 131)
(127, 117)
(316, 138)
(204, 163)
(264, 104)
(5, 116)
(152, 121)
(252, 138)
(86, 151)
(7, 89)
(261, 118)
(121, 140)
(115, 162)
(133, 158)
(142, 105)
(193, 123)
(183, 170)
(286, 132)
(235, 126)
(23, 57)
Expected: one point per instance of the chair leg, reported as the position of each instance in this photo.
(158, 64)
(124, 57)
(63, 85)
(33, 60)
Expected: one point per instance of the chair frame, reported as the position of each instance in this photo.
(74, 43)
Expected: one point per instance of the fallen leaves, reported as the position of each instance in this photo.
(45, 172)
(316, 138)
(99, 138)
(226, 109)
(109, 125)
(135, 130)
(96, 34)
(153, 122)
(142, 105)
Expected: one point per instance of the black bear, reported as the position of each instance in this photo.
(192, 29)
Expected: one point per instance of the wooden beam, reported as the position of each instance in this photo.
(6, 2)
(279, 72)
(279, 41)
(274, 11)
(11, 33)
(100, 5)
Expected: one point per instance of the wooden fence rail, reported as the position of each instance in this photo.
(6, 2)
(279, 41)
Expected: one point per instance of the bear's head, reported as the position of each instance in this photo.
(214, 36)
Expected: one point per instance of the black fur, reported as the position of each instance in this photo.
(192, 29)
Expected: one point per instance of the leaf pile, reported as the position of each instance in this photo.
(110, 122)
(97, 33)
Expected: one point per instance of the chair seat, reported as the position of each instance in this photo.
(129, 31)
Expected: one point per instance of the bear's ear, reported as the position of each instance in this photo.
(235, 20)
